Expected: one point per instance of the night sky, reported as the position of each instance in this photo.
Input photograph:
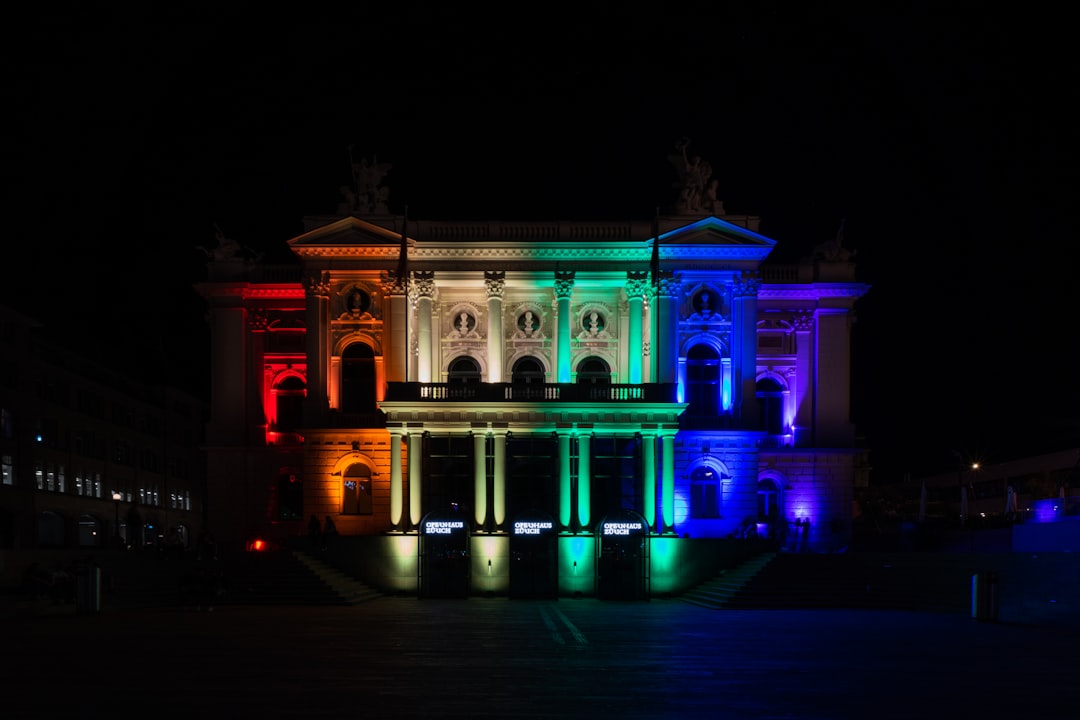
(943, 138)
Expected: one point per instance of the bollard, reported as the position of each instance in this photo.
(88, 588)
(984, 596)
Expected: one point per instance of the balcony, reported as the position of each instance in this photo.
(532, 392)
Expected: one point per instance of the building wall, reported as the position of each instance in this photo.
(786, 325)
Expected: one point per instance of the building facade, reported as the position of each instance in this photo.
(521, 407)
(89, 458)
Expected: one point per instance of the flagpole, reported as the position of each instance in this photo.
(654, 319)
(403, 277)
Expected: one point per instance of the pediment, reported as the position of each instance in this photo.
(715, 239)
(347, 236)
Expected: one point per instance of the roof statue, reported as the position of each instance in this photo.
(696, 189)
(833, 250)
(367, 195)
(227, 248)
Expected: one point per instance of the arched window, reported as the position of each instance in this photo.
(51, 529)
(706, 492)
(594, 371)
(703, 385)
(463, 370)
(357, 379)
(771, 395)
(290, 402)
(528, 371)
(768, 500)
(356, 490)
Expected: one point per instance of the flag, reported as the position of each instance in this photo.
(654, 266)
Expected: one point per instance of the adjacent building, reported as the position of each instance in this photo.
(91, 459)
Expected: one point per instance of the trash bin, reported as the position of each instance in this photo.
(984, 596)
(88, 588)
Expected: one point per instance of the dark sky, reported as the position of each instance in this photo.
(942, 135)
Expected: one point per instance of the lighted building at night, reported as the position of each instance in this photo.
(532, 407)
(90, 458)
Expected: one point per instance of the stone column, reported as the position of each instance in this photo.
(744, 293)
(804, 374)
(480, 478)
(667, 484)
(317, 320)
(416, 452)
(564, 288)
(498, 494)
(636, 285)
(495, 282)
(395, 327)
(584, 480)
(260, 381)
(565, 499)
(397, 497)
(424, 282)
(667, 324)
(649, 491)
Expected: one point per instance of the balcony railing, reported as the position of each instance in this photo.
(532, 392)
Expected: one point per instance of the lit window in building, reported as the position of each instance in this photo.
(356, 490)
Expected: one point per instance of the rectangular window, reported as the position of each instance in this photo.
(7, 468)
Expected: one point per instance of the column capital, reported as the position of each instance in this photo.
(317, 285)
(637, 284)
(258, 320)
(746, 285)
(393, 284)
(564, 284)
(424, 282)
(669, 284)
(495, 283)
(803, 321)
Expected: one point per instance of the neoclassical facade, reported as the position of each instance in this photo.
(537, 401)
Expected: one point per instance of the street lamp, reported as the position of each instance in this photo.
(116, 496)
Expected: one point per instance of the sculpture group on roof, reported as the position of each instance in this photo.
(367, 195)
(695, 185)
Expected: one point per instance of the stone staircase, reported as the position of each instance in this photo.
(291, 577)
(351, 590)
(717, 592)
(907, 581)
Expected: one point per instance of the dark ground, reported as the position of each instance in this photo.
(398, 657)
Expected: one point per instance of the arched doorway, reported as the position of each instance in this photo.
(622, 542)
(593, 371)
(463, 370)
